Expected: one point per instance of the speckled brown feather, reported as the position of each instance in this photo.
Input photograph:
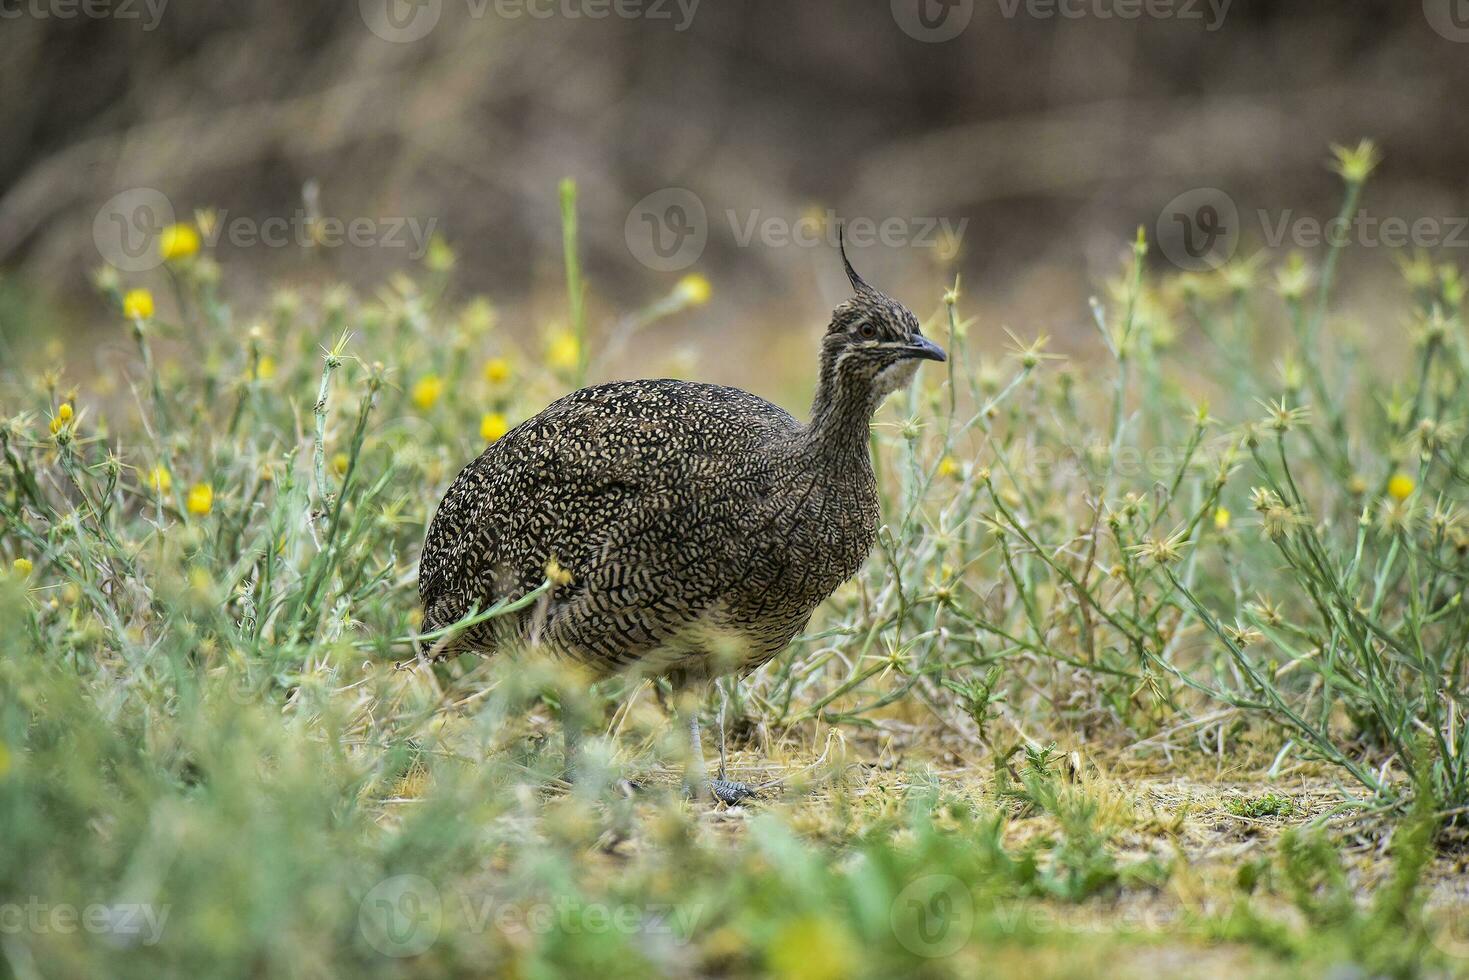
(701, 525)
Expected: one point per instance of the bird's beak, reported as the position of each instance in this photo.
(924, 349)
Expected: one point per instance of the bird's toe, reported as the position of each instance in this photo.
(731, 793)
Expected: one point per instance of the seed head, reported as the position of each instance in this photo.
(693, 290)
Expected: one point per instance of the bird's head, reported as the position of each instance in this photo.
(874, 341)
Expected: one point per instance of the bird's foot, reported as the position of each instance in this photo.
(731, 793)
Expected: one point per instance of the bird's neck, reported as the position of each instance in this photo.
(841, 416)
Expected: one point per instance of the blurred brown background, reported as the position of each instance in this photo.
(1051, 137)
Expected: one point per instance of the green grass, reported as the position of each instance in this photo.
(1093, 593)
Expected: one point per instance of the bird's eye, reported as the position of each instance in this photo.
(866, 330)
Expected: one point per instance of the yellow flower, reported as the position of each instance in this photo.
(563, 352)
(201, 499)
(178, 242)
(1221, 518)
(492, 426)
(427, 391)
(160, 479)
(137, 304)
(693, 290)
(63, 416)
(339, 463)
(948, 467)
(1400, 487)
(497, 370)
(22, 566)
(264, 368)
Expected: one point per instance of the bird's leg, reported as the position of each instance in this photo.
(695, 776)
(723, 731)
(696, 779)
(571, 740)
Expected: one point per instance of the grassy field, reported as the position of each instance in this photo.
(1158, 666)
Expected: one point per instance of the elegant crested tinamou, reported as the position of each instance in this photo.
(694, 527)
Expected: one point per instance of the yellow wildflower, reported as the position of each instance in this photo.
(178, 242)
(1221, 518)
(427, 391)
(948, 467)
(693, 290)
(63, 415)
(22, 567)
(264, 368)
(160, 479)
(339, 463)
(492, 426)
(201, 499)
(497, 370)
(1400, 487)
(564, 351)
(137, 304)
